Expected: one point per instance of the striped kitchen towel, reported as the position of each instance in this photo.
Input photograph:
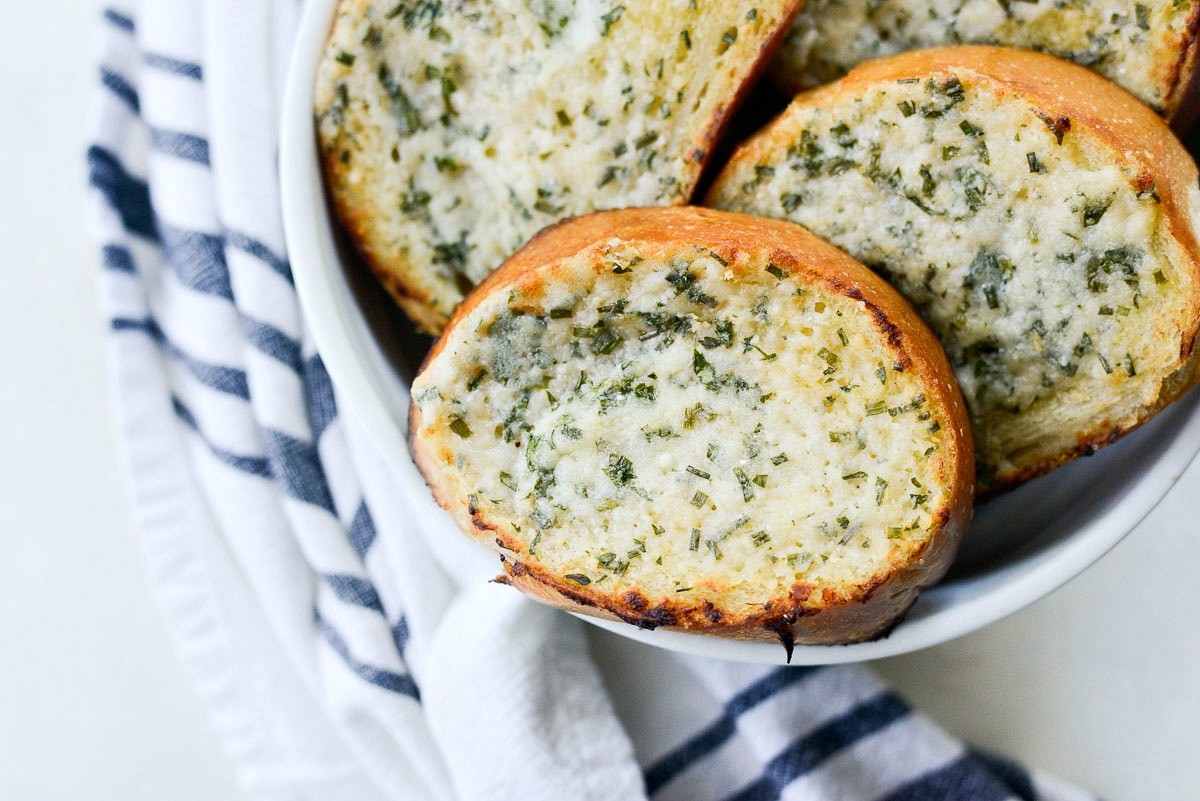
(337, 657)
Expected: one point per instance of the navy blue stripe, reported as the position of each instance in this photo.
(229, 380)
(259, 251)
(695, 749)
(962, 780)
(185, 68)
(716, 734)
(400, 635)
(120, 20)
(198, 260)
(121, 88)
(811, 750)
(362, 530)
(273, 342)
(354, 590)
(387, 679)
(1014, 777)
(298, 466)
(129, 196)
(318, 395)
(361, 592)
(118, 259)
(255, 465)
(180, 145)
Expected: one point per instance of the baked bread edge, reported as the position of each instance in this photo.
(1073, 98)
(874, 606)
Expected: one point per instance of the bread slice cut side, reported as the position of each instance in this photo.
(452, 132)
(1149, 48)
(1041, 219)
(680, 417)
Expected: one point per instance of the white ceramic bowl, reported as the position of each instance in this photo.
(1019, 547)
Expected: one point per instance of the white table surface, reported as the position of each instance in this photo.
(1099, 683)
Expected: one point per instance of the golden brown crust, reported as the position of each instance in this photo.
(806, 616)
(1182, 98)
(415, 300)
(703, 151)
(1069, 98)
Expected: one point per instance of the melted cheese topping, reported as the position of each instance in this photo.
(671, 426)
(1133, 44)
(1033, 255)
(463, 128)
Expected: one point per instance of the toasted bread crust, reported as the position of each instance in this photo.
(1183, 80)
(1083, 102)
(808, 615)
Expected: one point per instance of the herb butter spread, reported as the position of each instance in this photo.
(696, 425)
(1142, 46)
(1040, 254)
(453, 130)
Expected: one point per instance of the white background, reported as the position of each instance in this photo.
(1099, 683)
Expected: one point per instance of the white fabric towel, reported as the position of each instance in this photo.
(338, 657)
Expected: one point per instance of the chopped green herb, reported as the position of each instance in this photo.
(747, 489)
(606, 342)
(578, 578)
(406, 113)
(1094, 211)
(619, 469)
(698, 500)
(696, 471)
(459, 426)
(610, 19)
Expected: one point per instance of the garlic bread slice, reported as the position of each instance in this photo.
(693, 419)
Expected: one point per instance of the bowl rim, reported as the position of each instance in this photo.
(377, 399)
